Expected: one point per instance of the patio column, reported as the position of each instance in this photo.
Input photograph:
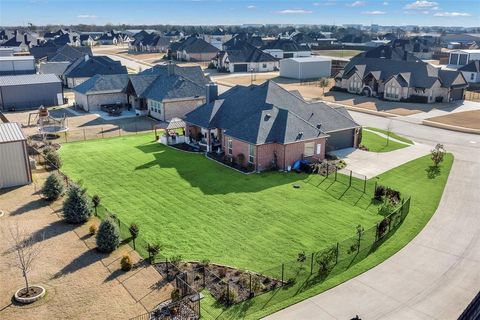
(209, 145)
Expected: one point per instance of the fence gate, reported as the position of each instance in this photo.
(182, 284)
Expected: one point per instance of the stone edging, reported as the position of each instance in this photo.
(30, 299)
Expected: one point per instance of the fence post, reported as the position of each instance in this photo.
(119, 131)
(327, 170)
(336, 174)
(250, 294)
(166, 264)
(204, 276)
(376, 233)
(336, 256)
(101, 128)
(311, 264)
(365, 185)
(228, 293)
(283, 270)
(375, 188)
(65, 136)
(84, 137)
(350, 183)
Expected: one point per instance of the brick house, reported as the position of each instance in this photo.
(269, 126)
(163, 91)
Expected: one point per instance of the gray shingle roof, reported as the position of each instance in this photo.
(103, 83)
(246, 52)
(28, 79)
(285, 45)
(196, 45)
(416, 74)
(11, 132)
(473, 66)
(57, 68)
(268, 113)
(193, 73)
(95, 65)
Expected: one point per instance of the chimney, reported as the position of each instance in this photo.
(170, 68)
(87, 57)
(211, 92)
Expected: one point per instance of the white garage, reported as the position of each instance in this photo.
(14, 163)
(305, 68)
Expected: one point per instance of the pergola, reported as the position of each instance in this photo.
(173, 128)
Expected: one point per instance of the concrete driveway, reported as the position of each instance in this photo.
(371, 164)
(438, 273)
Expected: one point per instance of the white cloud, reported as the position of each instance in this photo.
(356, 4)
(374, 13)
(86, 16)
(421, 5)
(251, 7)
(452, 14)
(293, 11)
(385, 3)
(327, 3)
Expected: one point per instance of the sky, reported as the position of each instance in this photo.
(229, 12)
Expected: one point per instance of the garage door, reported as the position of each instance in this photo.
(340, 140)
(240, 67)
(456, 94)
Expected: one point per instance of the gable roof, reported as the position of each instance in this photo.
(94, 65)
(104, 83)
(57, 68)
(28, 79)
(255, 41)
(267, 113)
(388, 52)
(196, 45)
(473, 66)
(414, 73)
(245, 52)
(67, 53)
(193, 73)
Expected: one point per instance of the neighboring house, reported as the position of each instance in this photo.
(388, 52)
(71, 39)
(53, 53)
(306, 68)
(245, 58)
(86, 67)
(56, 68)
(87, 40)
(30, 91)
(149, 42)
(460, 58)
(217, 38)
(270, 126)
(113, 38)
(400, 80)
(14, 162)
(286, 48)
(195, 49)
(471, 71)
(16, 65)
(163, 92)
(255, 41)
(21, 41)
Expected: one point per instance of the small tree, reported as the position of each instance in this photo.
(360, 232)
(53, 159)
(76, 207)
(108, 236)
(96, 202)
(153, 250)
(323, 83)
(53, 187)
(134, 231)
(27, 250)
(438, 154)
(389, 130)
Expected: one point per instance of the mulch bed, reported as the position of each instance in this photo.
(32, 292)
(215, 278)
(185, 147)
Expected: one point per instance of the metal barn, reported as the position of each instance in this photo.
(30, 91)
(14, 163)
(305, 68)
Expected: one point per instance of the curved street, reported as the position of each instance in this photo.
(437, 274)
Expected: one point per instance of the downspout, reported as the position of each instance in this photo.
(284, 159)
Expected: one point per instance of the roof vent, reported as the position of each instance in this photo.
(319, 126)
(268, 116)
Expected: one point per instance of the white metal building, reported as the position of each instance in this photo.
(15, 65)
(14, 163)
(306, 68)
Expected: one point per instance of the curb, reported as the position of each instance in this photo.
(450, 127)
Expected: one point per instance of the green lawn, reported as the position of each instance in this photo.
(200, 209)
(376, 143)
(338, 53)
(393, 135)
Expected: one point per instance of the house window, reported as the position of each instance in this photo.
(355, 84)
(462, 59)
(392, 92)
(472, 76)
(230, 146)
(309, 148)
(251, 153)
(453, 58)
(264, 66)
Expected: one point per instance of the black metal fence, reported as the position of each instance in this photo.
(308, 269)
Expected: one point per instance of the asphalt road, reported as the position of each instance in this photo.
(438, 273)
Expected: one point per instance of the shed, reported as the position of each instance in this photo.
(15, 65)
(305, 68)
(14, 163)
(30, 91)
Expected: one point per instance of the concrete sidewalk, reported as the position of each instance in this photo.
(371, 164)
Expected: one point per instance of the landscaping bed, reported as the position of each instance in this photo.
(242, 284)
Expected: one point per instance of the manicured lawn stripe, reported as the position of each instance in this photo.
(376, 143)
(393, 135)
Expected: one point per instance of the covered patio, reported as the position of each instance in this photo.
(207, 139)
(174, 133)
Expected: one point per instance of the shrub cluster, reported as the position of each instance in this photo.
(52, 158)
(108, 236)
(76, 208)
(390, 194)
